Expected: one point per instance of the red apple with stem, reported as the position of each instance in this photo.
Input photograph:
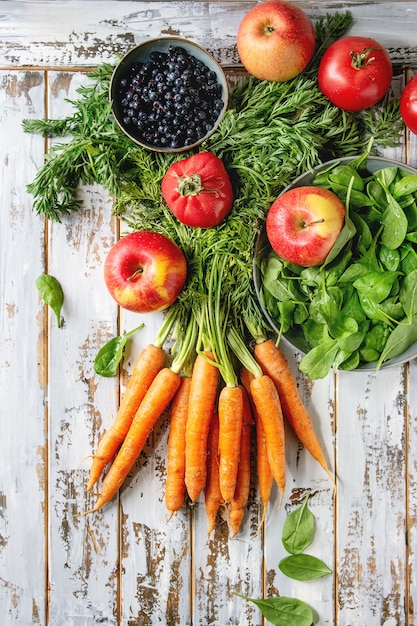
(276, 40)
(145, 271)
(303, 224)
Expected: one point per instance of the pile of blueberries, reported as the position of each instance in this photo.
(171, 101)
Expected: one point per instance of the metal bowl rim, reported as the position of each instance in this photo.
(180, 41)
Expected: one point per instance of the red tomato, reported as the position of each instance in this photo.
(355, 73)
(198, 190)
(408, 105)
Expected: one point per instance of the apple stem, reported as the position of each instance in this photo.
(193, 185)
(135, 274)
(307, 224)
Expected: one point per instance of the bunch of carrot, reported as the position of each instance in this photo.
(212, 412)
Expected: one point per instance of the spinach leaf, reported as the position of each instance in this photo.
(408, 293)
(376, 337)
(364, 238)
(51, 293)
(386, 175)
(284, 611)
(318, 362)
(351, 342)
(395, 225)
(408, 258)
(109, 356)
(348, 361)
(405, 186)
(377, 194)
(375, 286)
(303, 567)
(390, 259)
(298, 529)
(343, 175)
(402, 337)
(346, 234)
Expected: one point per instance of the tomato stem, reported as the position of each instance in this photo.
(362, 59)
(193, 185)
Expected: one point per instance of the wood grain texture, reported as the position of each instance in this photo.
(130, 565)
(77, 33)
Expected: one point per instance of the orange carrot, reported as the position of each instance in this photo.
(203, 393)
(264, 473)
(267, 403)
(275, 365)
(149, 362)
(175, 483)
(241, 495)
(213, 496)
(157, 399)
(230, 408)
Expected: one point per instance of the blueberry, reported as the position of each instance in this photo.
(172, 100)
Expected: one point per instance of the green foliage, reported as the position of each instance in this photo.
(298, 529)
(109, 356)
(283, 611)
(51, 293)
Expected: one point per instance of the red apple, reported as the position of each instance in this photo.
(276, 40)
(145, 271)
(303, 224)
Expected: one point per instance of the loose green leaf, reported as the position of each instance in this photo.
(109, 356)
(303, 567)
(284, 611)
(298, 529)
(51, 293)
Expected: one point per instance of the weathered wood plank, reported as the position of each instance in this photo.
(83, 550)
(371, 512)
(128, 564)
(410, 449)
(23, 363)
(156, 550)
(371, 445)
(305, 475)
(81, 33)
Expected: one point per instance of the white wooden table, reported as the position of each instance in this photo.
(128, 564)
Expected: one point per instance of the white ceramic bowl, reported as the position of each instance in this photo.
(142, 54)
(263, 248)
